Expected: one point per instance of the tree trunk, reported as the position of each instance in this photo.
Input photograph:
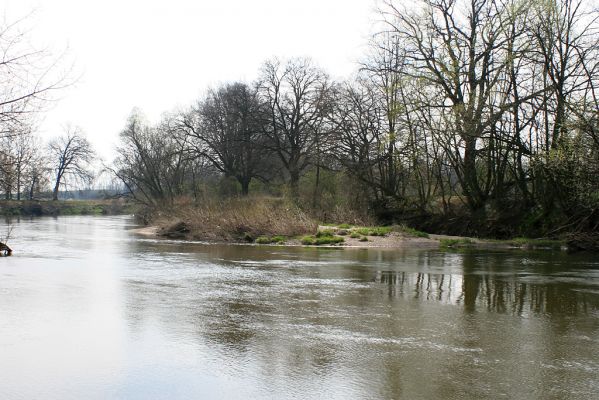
(32, 188)
(294, 183)
(55, 191)
(245, 186)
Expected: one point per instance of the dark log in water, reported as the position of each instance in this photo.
(5, 250)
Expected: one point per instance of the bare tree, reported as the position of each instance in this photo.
(227, 128)
(297, 98)
(29, 77)
(71, 155)
(151, 163)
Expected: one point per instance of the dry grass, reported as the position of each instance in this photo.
(235, 219)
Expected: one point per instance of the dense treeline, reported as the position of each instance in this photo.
(476, 116)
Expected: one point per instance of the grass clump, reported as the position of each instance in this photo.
(344, 226)
(308, 240)
(270, 240)
(278, 239)
(363, 239)
(373, 231)
(322, 239)
(355, 235)
(413, 232)
(462, 242)
(263, 240)
(325, 233)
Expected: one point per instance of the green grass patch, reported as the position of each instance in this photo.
(263, 240)
(449, 243)
(321, 240)
(344, 226)
(355, 235)
(413, 232)
(325, 233)
(270, 240)
(308, 240)
(279, 239)
(363, 239)
(373, 231)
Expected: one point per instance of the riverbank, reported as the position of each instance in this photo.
(344, 236)
(65, 207)
(278, 221)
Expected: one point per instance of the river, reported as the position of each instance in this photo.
(89, 310)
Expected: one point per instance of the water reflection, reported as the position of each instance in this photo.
(180, 320)
(497, 294)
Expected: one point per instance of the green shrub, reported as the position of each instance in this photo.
(354, 235)
(363, 239)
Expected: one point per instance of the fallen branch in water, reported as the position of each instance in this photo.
(5, 250)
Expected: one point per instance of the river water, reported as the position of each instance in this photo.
(89, 310)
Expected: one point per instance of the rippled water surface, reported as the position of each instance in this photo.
(89, 310)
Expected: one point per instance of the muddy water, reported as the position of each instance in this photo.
(89, 310)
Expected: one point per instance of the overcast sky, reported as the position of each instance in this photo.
(158, 55)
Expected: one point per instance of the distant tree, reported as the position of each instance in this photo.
(71, 155)
(297, 98)
(152, 163)
(227, 128)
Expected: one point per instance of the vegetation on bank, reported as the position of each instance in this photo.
(442, 130)
(66, 207)
(236, 219)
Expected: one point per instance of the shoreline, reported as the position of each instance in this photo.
(393, 240)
